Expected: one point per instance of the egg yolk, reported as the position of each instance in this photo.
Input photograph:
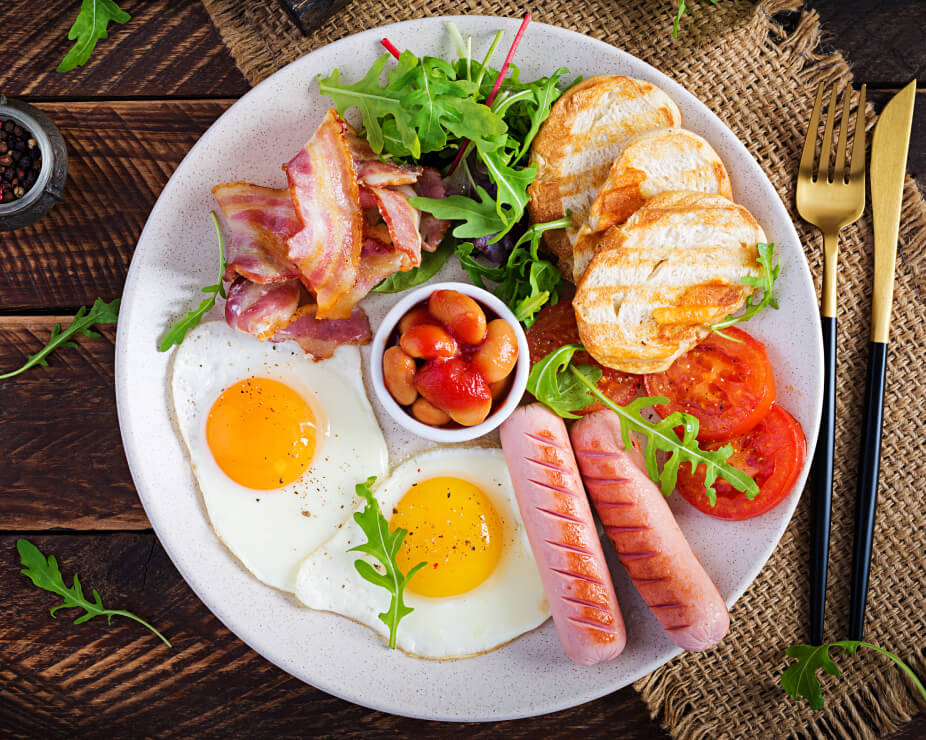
(453, 526)
(261, 433)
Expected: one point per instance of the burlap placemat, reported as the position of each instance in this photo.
(760, 79)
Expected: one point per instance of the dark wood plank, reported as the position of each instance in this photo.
(59, 680)
(883, 40)
(120, 156)
(169, 47)
(63, 464)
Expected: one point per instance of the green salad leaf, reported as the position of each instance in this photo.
(525, 282)
(431, 262)
(383, 545)
(44, 573)
(800, 679)
(178, 331)
(90, 26)
(566, 388)
(100, 313)
(477, 217)
(764, 283)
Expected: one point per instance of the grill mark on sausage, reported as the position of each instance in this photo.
(635, 555)
(558, 515)
(583, 602)
(579, 576)
(630, 528)
(646, 581)
(593, 624)
(610, 504)
(570, 548)
(553, 487)
(672, 605)
(589, 480)
(546, 441)
(549, 465)
(597, 454)
(677, 628)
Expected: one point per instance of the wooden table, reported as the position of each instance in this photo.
(129, 117)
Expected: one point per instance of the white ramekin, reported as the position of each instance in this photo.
(403, 417)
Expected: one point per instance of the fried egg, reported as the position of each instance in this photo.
(480, 587)
(276, 441)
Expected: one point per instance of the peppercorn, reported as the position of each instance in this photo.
(20, 161)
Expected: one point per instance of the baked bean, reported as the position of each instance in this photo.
(460, 313)
(399, 375)
(416, 316)
(500, 387)
(427, 413)
(428, 342)
(498, 354)
(457, 388)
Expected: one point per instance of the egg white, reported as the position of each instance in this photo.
(508, 603)
(272, 532)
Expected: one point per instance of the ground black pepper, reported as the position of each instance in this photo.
(20, 161)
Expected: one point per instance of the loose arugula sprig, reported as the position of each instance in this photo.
(765, 282)
(526, 282)
(99, 314)
(431, 262)
(45, 574)
(178, 331)
(800, 679)
(88, 28)
(566, 388)
(383, 545)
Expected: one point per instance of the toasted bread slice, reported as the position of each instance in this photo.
(659, 281)
(576, 145)
(649, 164)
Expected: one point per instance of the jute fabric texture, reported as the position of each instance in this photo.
(757, 67)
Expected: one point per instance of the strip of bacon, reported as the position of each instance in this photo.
(373, 171)
(320, 337)
(378, 261)
(260, 220)
(323, 185)
(402, 220)
(261, 309)
(430, 185)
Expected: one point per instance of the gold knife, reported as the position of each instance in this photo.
(888, 165)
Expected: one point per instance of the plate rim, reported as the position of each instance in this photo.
(134, 456)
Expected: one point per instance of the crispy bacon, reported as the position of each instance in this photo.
(323, 184)
(432, 229)
(373, 171)
(260, 221)
(320, 337)
(261, 309)
(402, 221)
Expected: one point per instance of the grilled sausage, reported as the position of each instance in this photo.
(562, 535)
(644, 532)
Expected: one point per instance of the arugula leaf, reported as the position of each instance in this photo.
(178, 331)
(526, 282)
(479, 217)
(800, 679)
(383, 545)
(566, 388)
(765, 282)
(431, 262)
(100, 313)
(88, 28)
(44, 574)
(678, 18)
(512, 186)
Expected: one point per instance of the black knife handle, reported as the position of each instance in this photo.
(869, 466)
(821, 490)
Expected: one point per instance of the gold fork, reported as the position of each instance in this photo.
(830, 200)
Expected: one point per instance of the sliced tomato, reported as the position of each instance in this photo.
(556, 326)
(728, 385)
(772, 453)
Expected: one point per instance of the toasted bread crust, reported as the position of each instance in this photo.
(659, 281)
(649, 164)
(574, 149)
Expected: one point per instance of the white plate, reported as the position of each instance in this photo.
(176, 255)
